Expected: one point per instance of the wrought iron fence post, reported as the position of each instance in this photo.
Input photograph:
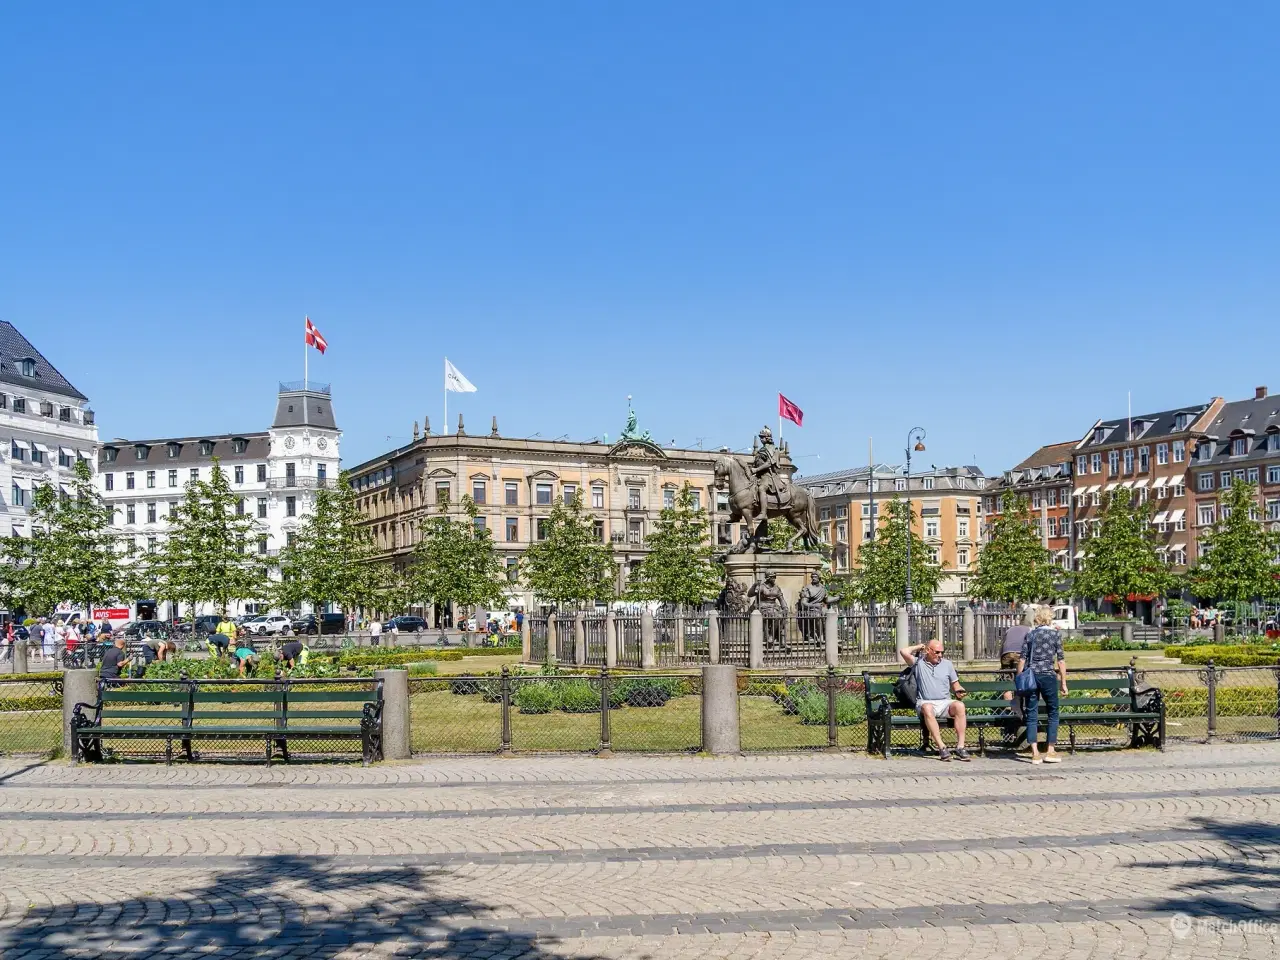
(606, 742)
(833, 733)
(505, 688)
(1210, 678)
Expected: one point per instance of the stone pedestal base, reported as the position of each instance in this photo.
(791, 569)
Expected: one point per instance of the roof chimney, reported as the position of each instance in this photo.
(1259, 393)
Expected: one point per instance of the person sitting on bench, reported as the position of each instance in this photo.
(936, 681)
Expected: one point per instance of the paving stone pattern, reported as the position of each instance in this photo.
(1128, 854)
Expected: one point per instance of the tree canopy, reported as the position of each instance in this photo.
(570, 565)
(1014, 565)
(679, 568)
(881, 572)
(1123, 559)
(455, 561)
(1239, 560)
(330, 560)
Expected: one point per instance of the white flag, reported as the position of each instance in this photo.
(454, 380)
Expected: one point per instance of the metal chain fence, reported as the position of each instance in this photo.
(30, 716)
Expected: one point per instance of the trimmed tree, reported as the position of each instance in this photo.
(209, 555)
(1239, 562)
(881, 573)
(1122, 559)
(570, 566)
(456, 562)
(329, 561)
(1013, 566)
(679, 568)
(72, 554)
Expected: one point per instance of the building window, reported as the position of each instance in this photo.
(262, 473)
(928, 483)
(1144, 459)
(1273, 509)
(16, 451)
(239, 474)
(597, 529)
(866, 530)
(1162, 454)
(931, 527)
(934, 556)
(1179, 451)
(1226, 478)
(635, 532)
(290, 539)
(633, 498)
(290, 506)
(262, 508)
(1113, 462)
(479, 523)
(1251, 476)
(130, 514)
(173, 478)
(1273, 474)
(1204, 481)
(37, 456)
(194, 474)
(513, 569)
(1179, 489)
(900, 483)
(542, 494)
(1096, 499)
(19, 405)
(322, 472)
(824, 513)
(962, 558)
(1095, 463)
(1206, 514)
(542, 528)
(1036, 499)
(18, 496)
(962, 528)
(1082, 464)
(151, 479)
(513, 530)
(262, 546)
(478, 491)
(1239, 447)
(151, 513)
(240, 506)
(1051, 497)
(513, 493)
(173, 509)
(597, 498)
(27, 367)
(668, 498)
(129, 481)
(570, 493)
(442, 491)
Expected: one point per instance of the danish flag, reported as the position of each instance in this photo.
(315, 338)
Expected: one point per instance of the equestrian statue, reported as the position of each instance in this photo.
(760, 491)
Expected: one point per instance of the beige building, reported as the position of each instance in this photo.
(946, 504)
(516, 482)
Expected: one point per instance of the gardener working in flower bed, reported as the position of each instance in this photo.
(936, 681)
(246, 658)
(293, 653)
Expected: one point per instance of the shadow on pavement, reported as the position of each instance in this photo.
(275, 905)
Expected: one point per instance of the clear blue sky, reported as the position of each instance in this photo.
(991, 220)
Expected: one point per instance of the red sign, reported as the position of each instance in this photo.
(111, 613)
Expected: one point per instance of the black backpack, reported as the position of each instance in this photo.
(904, 689)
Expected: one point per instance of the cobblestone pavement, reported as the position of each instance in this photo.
(1127, 854)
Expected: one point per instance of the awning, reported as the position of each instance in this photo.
(22, 483)
(1079, 554)
(1137, 484)
(1096, 488)
(86, 454)
(1177, 515)
(1109, 487)
(21, 444)
(1177, 546)
(66, 490)
(1160, 483)
(66, 451)
(1161, 517)
(40, 446)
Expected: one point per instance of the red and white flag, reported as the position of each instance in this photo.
(315, 338)
(789, 410)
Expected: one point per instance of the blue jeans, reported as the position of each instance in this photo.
(1046, 686)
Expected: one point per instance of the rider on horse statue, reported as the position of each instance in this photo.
(764, 464)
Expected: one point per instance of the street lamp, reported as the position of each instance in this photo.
(916, 433)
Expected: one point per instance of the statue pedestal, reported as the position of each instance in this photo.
(791, 569)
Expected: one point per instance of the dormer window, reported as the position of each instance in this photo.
(1182, 421)
(1099, 434)
(27, 367)
(1239, 446)
(109, 454)
(206, 447)
(140, 451)
(174, 449)
(238, 445)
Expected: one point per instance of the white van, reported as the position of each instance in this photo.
(1064, 617)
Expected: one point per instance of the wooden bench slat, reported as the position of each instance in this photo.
(239, 696)
(321, 696)
(144, 714)
(144, 696)
(324, 714)
(238, 714)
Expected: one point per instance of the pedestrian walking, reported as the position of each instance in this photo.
(1042, 655)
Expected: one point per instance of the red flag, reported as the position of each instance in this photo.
(789, 410)
(315, 338)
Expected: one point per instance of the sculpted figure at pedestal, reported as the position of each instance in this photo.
(762, 492)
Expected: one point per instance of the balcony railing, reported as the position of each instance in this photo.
(295, 386)
(300, 483)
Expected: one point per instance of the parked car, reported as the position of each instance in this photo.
(207, 623)
(325, 623)
(405, 625)
(1064, 617)
(272, 624)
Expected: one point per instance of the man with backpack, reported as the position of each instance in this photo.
(936, 682)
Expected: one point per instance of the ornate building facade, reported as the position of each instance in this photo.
(515, 483)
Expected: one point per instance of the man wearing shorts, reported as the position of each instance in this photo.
(936, 683)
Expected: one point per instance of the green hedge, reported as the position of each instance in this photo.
(1231, 701)
(369, 656)
(31, 677)
(23, 704)
(1230, 655)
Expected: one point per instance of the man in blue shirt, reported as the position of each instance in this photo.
(936, 682)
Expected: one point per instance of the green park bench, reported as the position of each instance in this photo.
(188, 711)
(1094, 700)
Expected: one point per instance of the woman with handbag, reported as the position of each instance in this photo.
(1042, 671)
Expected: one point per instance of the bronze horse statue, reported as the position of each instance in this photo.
(744, 502)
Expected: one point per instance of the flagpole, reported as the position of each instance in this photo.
(445, 430)
(306, 357)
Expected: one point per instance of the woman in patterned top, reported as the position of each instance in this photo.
(1042, 655)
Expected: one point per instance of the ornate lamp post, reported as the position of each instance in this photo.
(916, 433)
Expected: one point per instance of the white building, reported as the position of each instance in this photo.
(274, 472)
(45, 427)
